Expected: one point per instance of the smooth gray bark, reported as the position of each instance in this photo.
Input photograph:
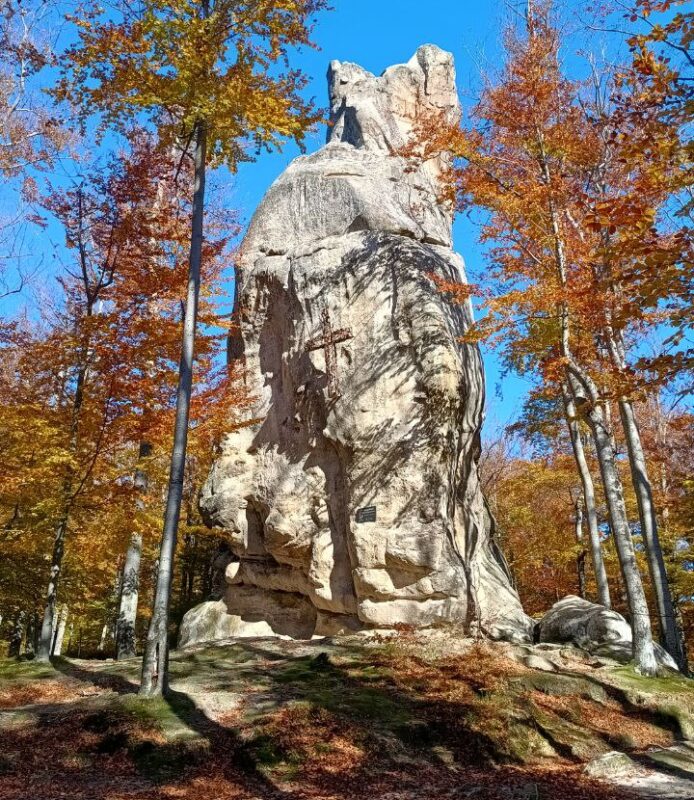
(582, 553)
(127, 611)
(46, 636)
(156, 655)
(588, 499)
(644, 652)
(671, 636)
(17, 635)
(102, 640)
(60, 631)
(130, 584)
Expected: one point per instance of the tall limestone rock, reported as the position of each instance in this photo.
(352, 500)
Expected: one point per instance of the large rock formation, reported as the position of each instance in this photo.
(352, 498)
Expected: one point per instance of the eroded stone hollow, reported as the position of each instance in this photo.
(352, 500)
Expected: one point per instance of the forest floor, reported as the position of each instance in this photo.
(399, 719)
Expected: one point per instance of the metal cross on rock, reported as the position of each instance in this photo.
(327, 341)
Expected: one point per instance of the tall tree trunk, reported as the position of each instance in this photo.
(102, 640)
(31, 635)
(127, 611)
(565, 346)
(583, 387)
(588, 500)
(130, 587)
(46, 637)
(671, 637)
(17, 635)
(581, 556)
(60, 631)
(644, 652)
(156, 655)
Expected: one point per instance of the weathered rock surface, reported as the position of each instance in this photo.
(661, 773)
(353, 231)
(594, 628)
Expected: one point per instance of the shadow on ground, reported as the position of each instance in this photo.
(261, 719)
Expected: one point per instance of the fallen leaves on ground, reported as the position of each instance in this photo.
(379, 723)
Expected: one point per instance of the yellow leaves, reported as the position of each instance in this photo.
(542, 546)
(184, 61)
(129, 351)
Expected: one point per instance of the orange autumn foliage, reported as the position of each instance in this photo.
(115, 339)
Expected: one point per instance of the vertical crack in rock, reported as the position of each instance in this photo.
(357, 506)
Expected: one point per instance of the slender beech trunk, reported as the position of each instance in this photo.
(671, 635)
(156, 655)
(644, 652)
(585, 395)
(102, 640)
(127, 611)
(588, 500)
(582, 553)
(46, 637)
(60, 631)
(130, 585)
(17, 635)
(582, 387)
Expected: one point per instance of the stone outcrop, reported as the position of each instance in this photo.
(351, 496)
(594, 628)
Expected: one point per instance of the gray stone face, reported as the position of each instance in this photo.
(593, 627)
(352, 230)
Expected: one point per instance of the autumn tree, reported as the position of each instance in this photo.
(212, 77)
(546, 418)
(116, 359)
(546, 551)
(84, 291)
(623, 222)
(668, 434)
(29, 431)
(131, 208)
(525, 165)
(654, 106)
(31, 135)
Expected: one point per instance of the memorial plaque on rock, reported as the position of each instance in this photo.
(367, 514)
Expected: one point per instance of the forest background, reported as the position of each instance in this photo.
(527, 464)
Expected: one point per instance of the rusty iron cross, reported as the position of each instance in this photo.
(327, 341)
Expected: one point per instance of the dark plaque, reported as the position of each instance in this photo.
(367, 514)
